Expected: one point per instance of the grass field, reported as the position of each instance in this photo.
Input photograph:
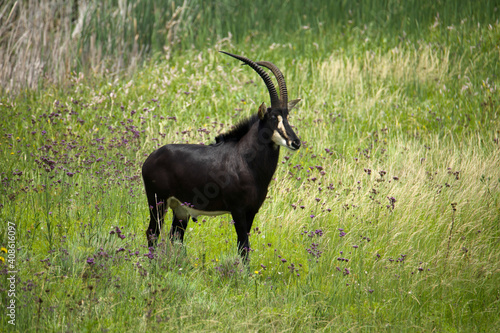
(386, 219)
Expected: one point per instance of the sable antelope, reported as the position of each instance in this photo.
(230, 176)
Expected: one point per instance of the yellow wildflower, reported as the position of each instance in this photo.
(3, 249)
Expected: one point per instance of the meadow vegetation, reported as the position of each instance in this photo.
(386, 219)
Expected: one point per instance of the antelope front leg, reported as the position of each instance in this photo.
(243, 224)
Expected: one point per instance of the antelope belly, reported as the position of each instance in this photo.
(177, 206)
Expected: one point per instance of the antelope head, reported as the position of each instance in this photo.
(276, 117)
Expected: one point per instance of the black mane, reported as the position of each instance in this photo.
(236, 133)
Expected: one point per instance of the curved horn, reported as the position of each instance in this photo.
(281, 81)
(275, 101)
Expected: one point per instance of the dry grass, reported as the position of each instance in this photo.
(35, 39)
(42, 42)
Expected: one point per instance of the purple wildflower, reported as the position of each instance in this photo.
(150, 255)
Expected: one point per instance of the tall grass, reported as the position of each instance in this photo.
(387, 219)
(42, 42)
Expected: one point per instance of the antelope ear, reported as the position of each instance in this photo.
(262, 111)
(293, 103)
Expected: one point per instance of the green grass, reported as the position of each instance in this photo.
(400, 151)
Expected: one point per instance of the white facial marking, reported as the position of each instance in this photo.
(279, 136)
(278, 139)
(280, 125)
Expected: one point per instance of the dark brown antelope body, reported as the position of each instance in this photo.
(230, 176)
